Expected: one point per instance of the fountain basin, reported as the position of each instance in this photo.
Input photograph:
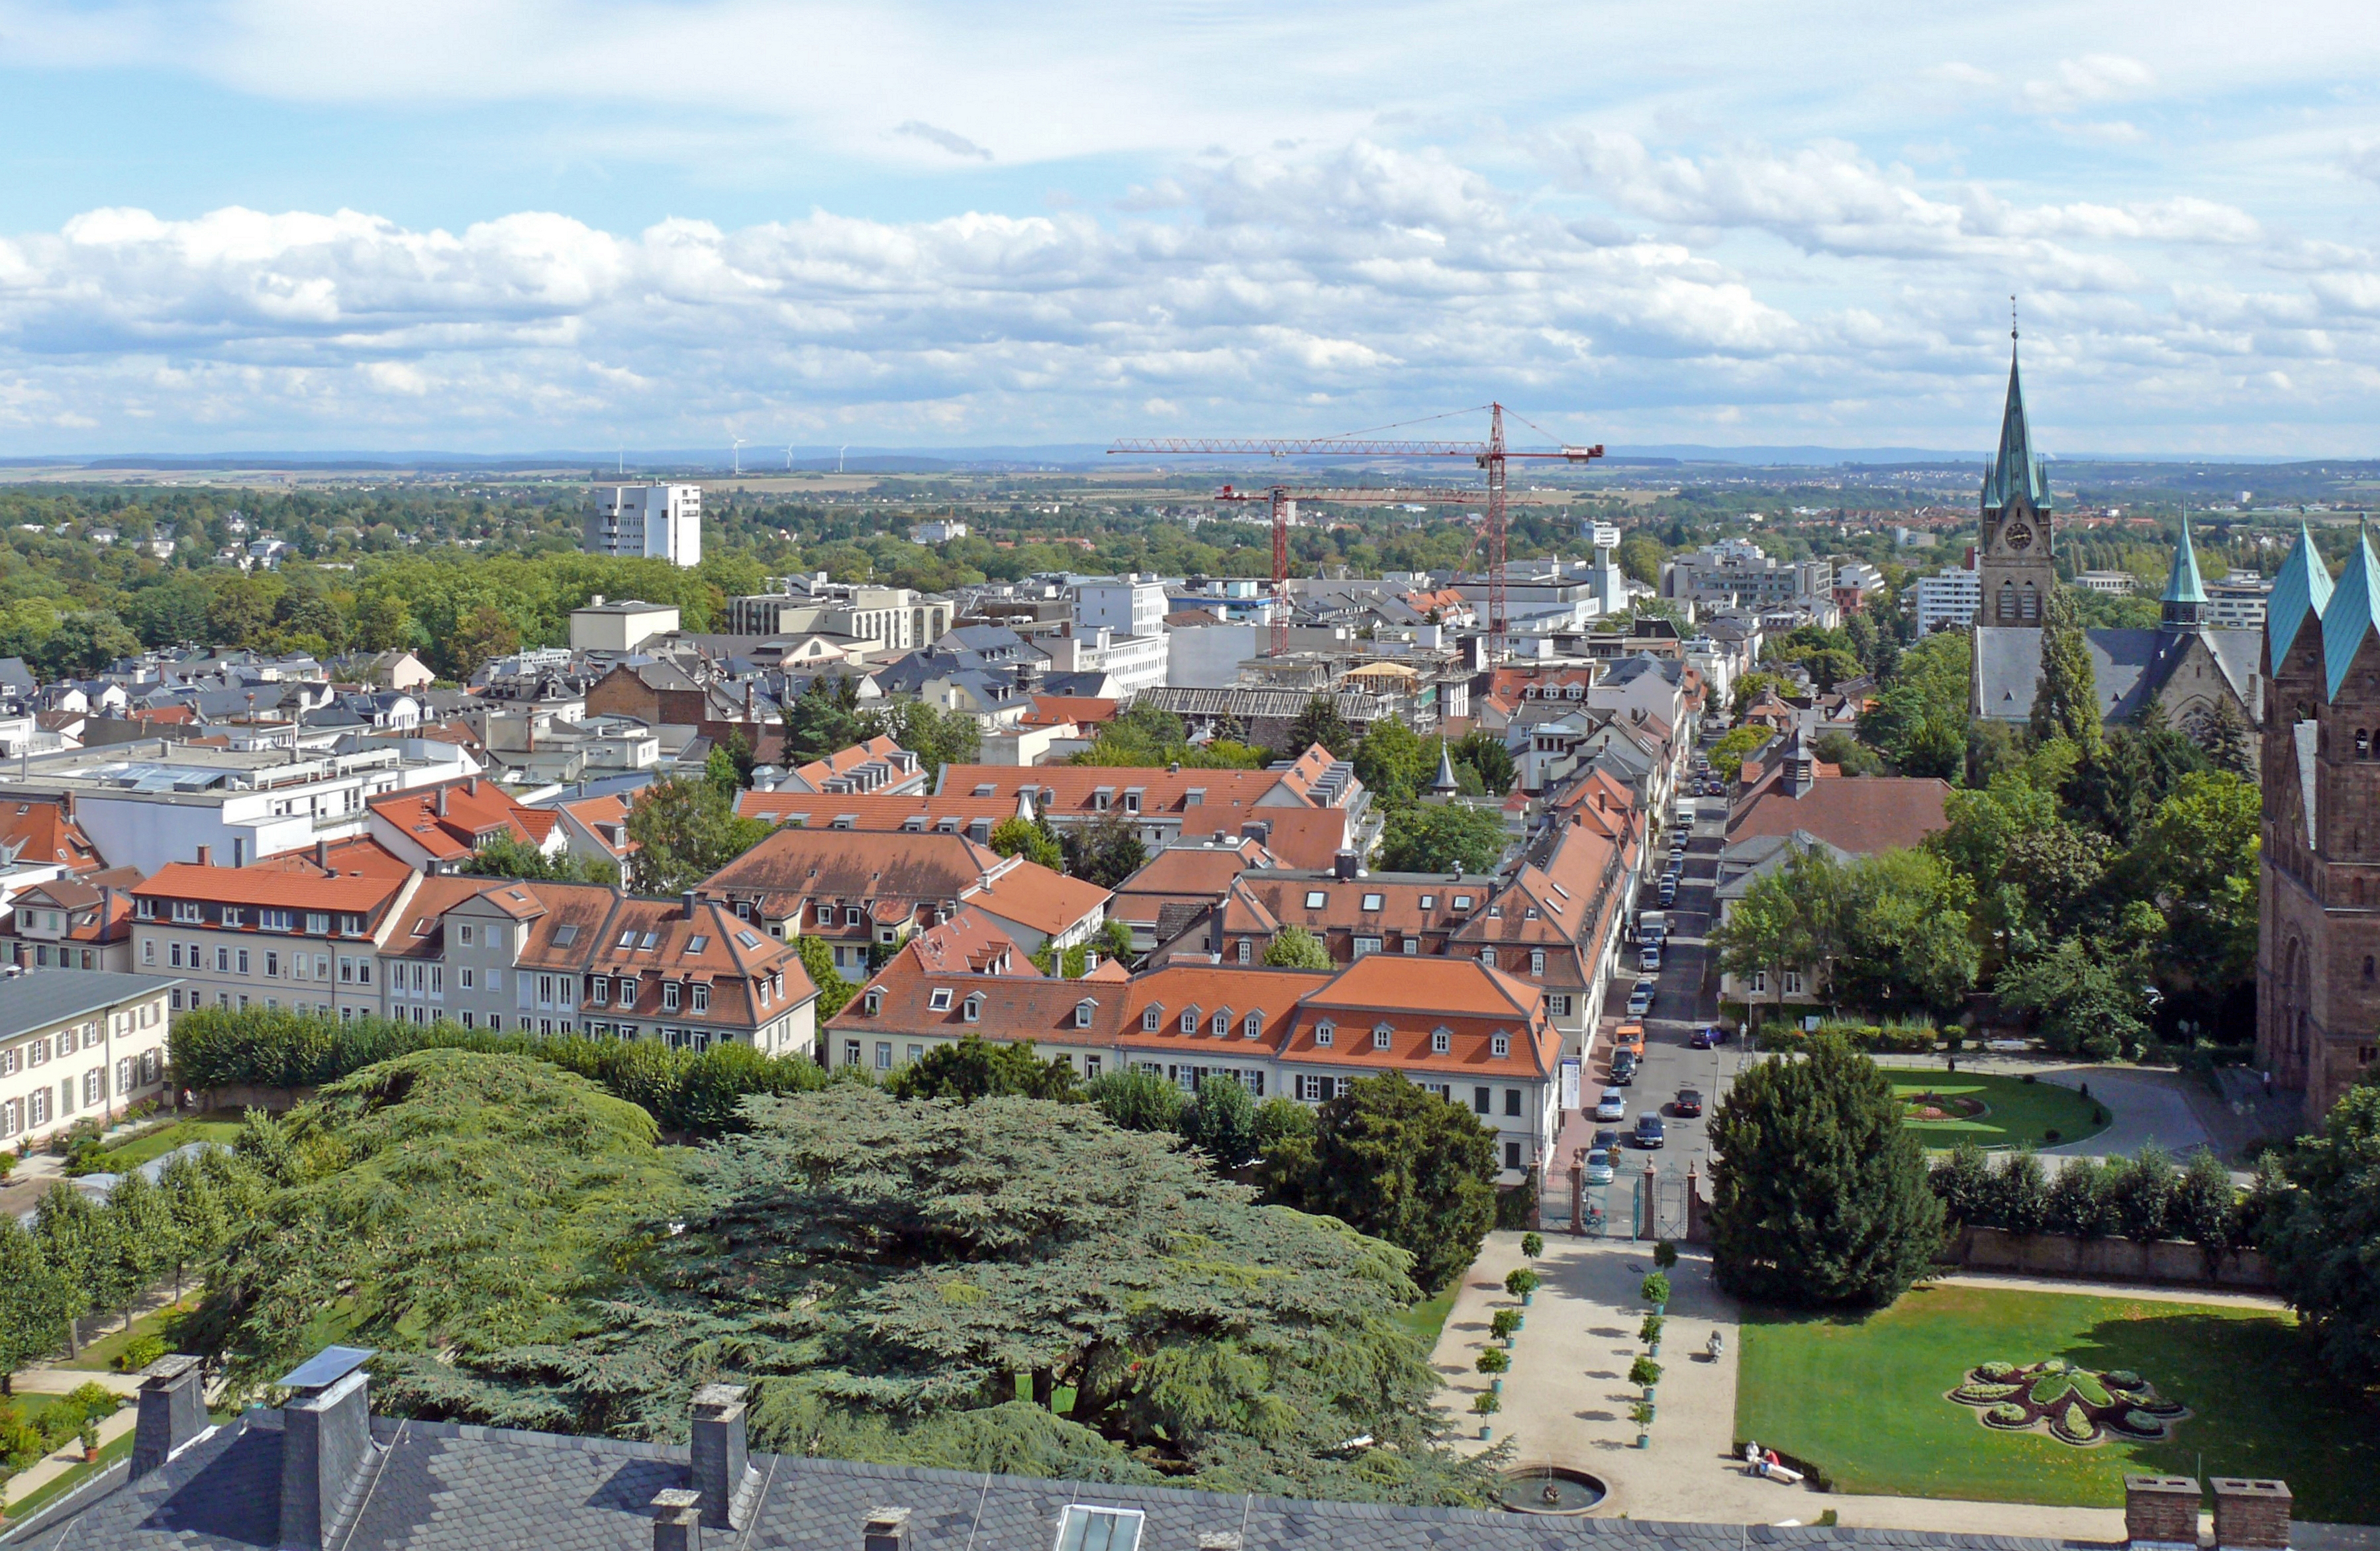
(1573, 1492)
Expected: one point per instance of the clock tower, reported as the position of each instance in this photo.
(2015, 561)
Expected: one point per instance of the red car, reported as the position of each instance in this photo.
(1689, 1101)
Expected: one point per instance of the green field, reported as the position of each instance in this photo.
(2015, 1111)
(1863, 1400)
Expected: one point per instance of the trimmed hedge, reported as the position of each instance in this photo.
(1876, 1039)
(685, 1091)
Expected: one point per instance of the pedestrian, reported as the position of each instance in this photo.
(1954, 1062)
(1752, 1456)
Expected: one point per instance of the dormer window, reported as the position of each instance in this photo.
(1381, 1036)
(875, 1000)
(1083, 1014)
(701, 997)
(1536, 961)
(1322, 1033)
(971, 1009)
(1487, 957)
(1252, 1027)
(1189, 1020)
(1222, 1022)
(1152, 1017)
(1500, 1046)
(1441, 1041)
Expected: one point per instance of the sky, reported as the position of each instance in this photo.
(502, 226)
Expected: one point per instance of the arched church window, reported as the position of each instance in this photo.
(2006, 605)
(2031, 602)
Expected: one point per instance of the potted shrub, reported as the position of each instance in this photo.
(1493, 1362)
(1641, 1413)
(1533, 1244)
(1502, 1323)
(1655, 1291)
(1646, 1373)
(1485, 1404)
(1649, 1332)
(1664, 1256)
(90, 1436)
(1522, 1283)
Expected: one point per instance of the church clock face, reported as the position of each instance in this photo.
(2018, 536)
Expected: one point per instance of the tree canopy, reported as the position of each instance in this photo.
(1396, 1160)
(1819, 1195)
(1443, 838)
(1295, 947)
(684, 831)
(2324, 1236)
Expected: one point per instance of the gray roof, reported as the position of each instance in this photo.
(2006, 671)
(439, 1486)
(42, 998)
(2127, 666)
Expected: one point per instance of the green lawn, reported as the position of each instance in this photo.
(2016, 1111)
(1863, 1400)
(1426, 1318)
(99, 1353)
(133, 1154)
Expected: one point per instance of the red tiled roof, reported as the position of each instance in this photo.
(474, 810)
(269, 887)
(969, 944)
(1862, 814)
(875, 811)
(1032, 895)
(1210, 989)
(43, 834)
(1051, 710)
(843, 760)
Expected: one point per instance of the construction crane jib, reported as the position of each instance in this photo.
(1490, 456)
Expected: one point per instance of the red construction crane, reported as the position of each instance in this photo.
(1283, 497)
(1489, 455)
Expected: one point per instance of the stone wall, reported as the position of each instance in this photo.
(2056, 1254)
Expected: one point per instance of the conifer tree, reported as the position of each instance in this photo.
(2067, 702)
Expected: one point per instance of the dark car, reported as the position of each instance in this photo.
(1623, 1069)
(1700, 1040)
(1607, 1139)
(1649, 1131)
(1689, 1101)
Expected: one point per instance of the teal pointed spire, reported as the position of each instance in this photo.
(2347, 617)
(2015, 472)
(2300, 591)
(2185, 598)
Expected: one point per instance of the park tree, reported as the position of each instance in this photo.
(200, 1212)
(1009, 1285)
(139, 1240)
(1819, 1192)
(1443, 837)
(1319, 723)
(1906, 937)
(480, 636)
(501, 855)
(834, 992)
(1392, 1158)
(1728, 755)
(84, 643)
(684, 831)
(1295, 947)
(823, 718)
(1136, 1100)
(72, 1235)
(2085, 1002)
(2322, 1236)
(1222, 1122)
(34, 1315)
(974, 1068)
(1395, 763)
(1031, 839)
(448, 1203)
(1790, 918)
(1490, 759)
(381, 622)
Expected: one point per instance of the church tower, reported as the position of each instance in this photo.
(2184, 604)
(2015, 561)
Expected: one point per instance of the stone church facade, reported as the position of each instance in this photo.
(2318, 942)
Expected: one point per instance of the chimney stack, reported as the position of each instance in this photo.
(322, 854)
(887, 1528)
(471, 785)
(441, 802)
(721, 1476)
(172, 1411)
(2161, 1512)
(2251, 1515)
(687, 899)
(677, 1520)
(326, 1442)
(206, 855)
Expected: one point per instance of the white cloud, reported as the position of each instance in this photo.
(2098, 77)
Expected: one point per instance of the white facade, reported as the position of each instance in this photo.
(75, 1043)
(622, 627)
(659, 522)
(2237, 602)
(2116, 584)
(941, 530)
(1135, 662)
(1950, 597)
(1128, 605)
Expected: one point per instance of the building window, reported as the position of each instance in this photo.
(972, 1009)
(462, 933)
(1252, 1027)
(1511, 1155)
(1150, 1017)
(884, 1055)
(1512, 1101)
(243, 961)
(1442, 1042)
(1487, 957)
(701, 999)
(1793, 982)
(939, 999)
(1759, 981)
(1249, 952)
(851, 916)
(1366, 945)
(149, 950)
(1482, 1101)
(1499, 1045)
(1537, 961)
(1222, 1022)
(272, 964)
(1083, 1014)
(1189, 1020)
(669, 996)
(1315, 899)
(1322, 1034)
(1557, 1004)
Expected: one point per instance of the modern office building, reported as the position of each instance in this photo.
(656, 521)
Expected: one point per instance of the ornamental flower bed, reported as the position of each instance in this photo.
(1936, 1107)
(2077, 1406)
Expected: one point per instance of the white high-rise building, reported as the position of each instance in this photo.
(1951, 596)
(660, 521)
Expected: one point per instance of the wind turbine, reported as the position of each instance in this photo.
(838, 457)
(789, 457)
(739, 457)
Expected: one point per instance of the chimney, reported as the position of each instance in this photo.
(326, 1442)
(106, 908)
(687, 899)
(206, 855)
(172, 1411)
(1343, 864)
(322, 854)
(595, 601)
(441, 802)
(471, 786)
(2161, 1512)
(677, 1520)
(721, 1476)
(66, 804)
(887, 1528)
(2251, 1515)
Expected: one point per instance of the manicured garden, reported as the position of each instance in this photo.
(1995, 1111)
(215, 1126)
(1900, 1402)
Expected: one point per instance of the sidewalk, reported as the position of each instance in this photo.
(20, 1485)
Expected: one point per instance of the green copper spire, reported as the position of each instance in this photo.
(2300, 593)
(2185, 599)
(2015, 472)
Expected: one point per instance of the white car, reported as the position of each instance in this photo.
(1649, 960)
(1639, 1003)
(1614, 1106)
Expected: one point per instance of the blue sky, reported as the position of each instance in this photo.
(500, 225)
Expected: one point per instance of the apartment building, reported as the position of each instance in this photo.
(73, 923)
(1475, 1035)
(440, 829)
(1952, 597)
(267, 937)
(653, 521)
(892, 618)
(77, 1045)
(580, 958)
(1170, 805)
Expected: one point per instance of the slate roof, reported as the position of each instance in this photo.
(440, 1486)
(33, 1001)
(2015, 472)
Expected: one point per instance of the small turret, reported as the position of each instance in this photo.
(2184, 605)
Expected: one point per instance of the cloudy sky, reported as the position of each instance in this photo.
(504, 225)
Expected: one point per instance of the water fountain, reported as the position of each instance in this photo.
(1551, 1489)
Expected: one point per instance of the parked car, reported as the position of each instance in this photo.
(1650, 961)
(1668, 893)
(1689, 1101)
(1606, 1138)
(1648, 1130)
(1623, 1069)
(1599, 1166)
(1701, 1039)
(1639, 1003)
(1612, 1106)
